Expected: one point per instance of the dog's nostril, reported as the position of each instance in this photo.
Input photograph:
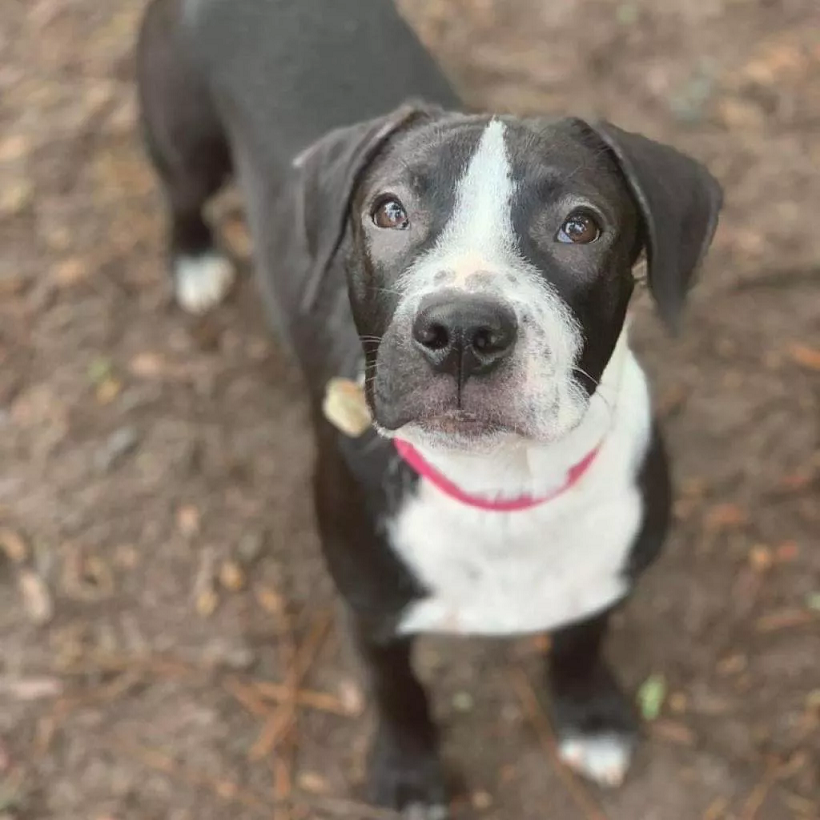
(433, 336)
(487, 341)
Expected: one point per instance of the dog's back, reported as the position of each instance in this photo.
(322, 65)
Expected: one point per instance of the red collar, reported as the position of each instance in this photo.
(426, 470)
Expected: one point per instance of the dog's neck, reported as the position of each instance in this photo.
(518, 468)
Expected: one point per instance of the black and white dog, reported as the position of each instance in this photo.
(475, 272)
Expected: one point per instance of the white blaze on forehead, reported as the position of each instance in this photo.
(480, 231)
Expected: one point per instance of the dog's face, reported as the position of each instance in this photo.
(490, 269)
(490, 275)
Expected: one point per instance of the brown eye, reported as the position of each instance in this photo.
(390, 213)
(580, 228)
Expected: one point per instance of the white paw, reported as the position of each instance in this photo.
(200, 282)
(604, 759)
(420, 811)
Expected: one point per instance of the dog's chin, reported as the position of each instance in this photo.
(458, 431)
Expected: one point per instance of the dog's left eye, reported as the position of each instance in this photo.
(579, 228)
(390, 213)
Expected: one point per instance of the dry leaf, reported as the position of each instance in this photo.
(808, 357)
(147, 365)
(760, 557)
(13, 545)
(36, 597)
(188, 520)
(313, 783)
(345, 407)
(481, 800)
(70, 272)
(231, 576)
(725, 516)
(270, 600)
(206, 603)
(108, 390)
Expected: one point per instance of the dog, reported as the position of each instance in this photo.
(474, 273)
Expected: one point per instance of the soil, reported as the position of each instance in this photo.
(159, 561)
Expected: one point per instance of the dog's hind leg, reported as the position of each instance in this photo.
(189, 150)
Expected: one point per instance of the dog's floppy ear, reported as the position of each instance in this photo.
(679, 201)
(329, 171)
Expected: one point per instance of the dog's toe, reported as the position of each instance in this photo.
(602, 758)
(201, 282)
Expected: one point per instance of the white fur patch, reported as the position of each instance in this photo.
(480, 238)
(201, 282)
(604, 758)
(495, 573)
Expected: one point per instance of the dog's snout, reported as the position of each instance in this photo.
(464, 335)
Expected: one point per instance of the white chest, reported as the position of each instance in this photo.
(494, 573)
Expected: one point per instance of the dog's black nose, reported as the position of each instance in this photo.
(464, 335)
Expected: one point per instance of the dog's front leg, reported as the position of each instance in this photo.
(405, 770)
(596, 724)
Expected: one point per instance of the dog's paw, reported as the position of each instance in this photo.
(408, 779)
(201, 282)
(603, 758)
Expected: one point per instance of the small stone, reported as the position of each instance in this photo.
(14, 147)
(36, 597)
(117, 446)
(228, 654)
(351, 697)
(250, 547)
(481, 800)
(463, 702)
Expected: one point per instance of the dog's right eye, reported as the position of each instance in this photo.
(389, 213)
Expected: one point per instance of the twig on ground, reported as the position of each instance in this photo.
(757, 796)
(540, 722)
(282, 719)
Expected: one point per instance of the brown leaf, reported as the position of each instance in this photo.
(13, 545)
(188, 520)
(36, 597)
(231, 576)
(808, 357)
(725, 517)
(673, 731)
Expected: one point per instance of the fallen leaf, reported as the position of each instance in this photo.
(813, 601)
(270, 600)
(313, 783)
(32, 688)
(481, 800)
(674, 732)
(651, 696)
(760, 557)
(206, 603)
(787, 552)
(108, 390)
(231, 576)
(808, 357)
(36, 597)
(70, 271)
(101, 369)
(345, 407)
(725, 516)
(188, 520)
(13, 545)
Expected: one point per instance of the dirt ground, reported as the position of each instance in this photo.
(161, 592)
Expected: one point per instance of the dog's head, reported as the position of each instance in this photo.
(490, 261)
